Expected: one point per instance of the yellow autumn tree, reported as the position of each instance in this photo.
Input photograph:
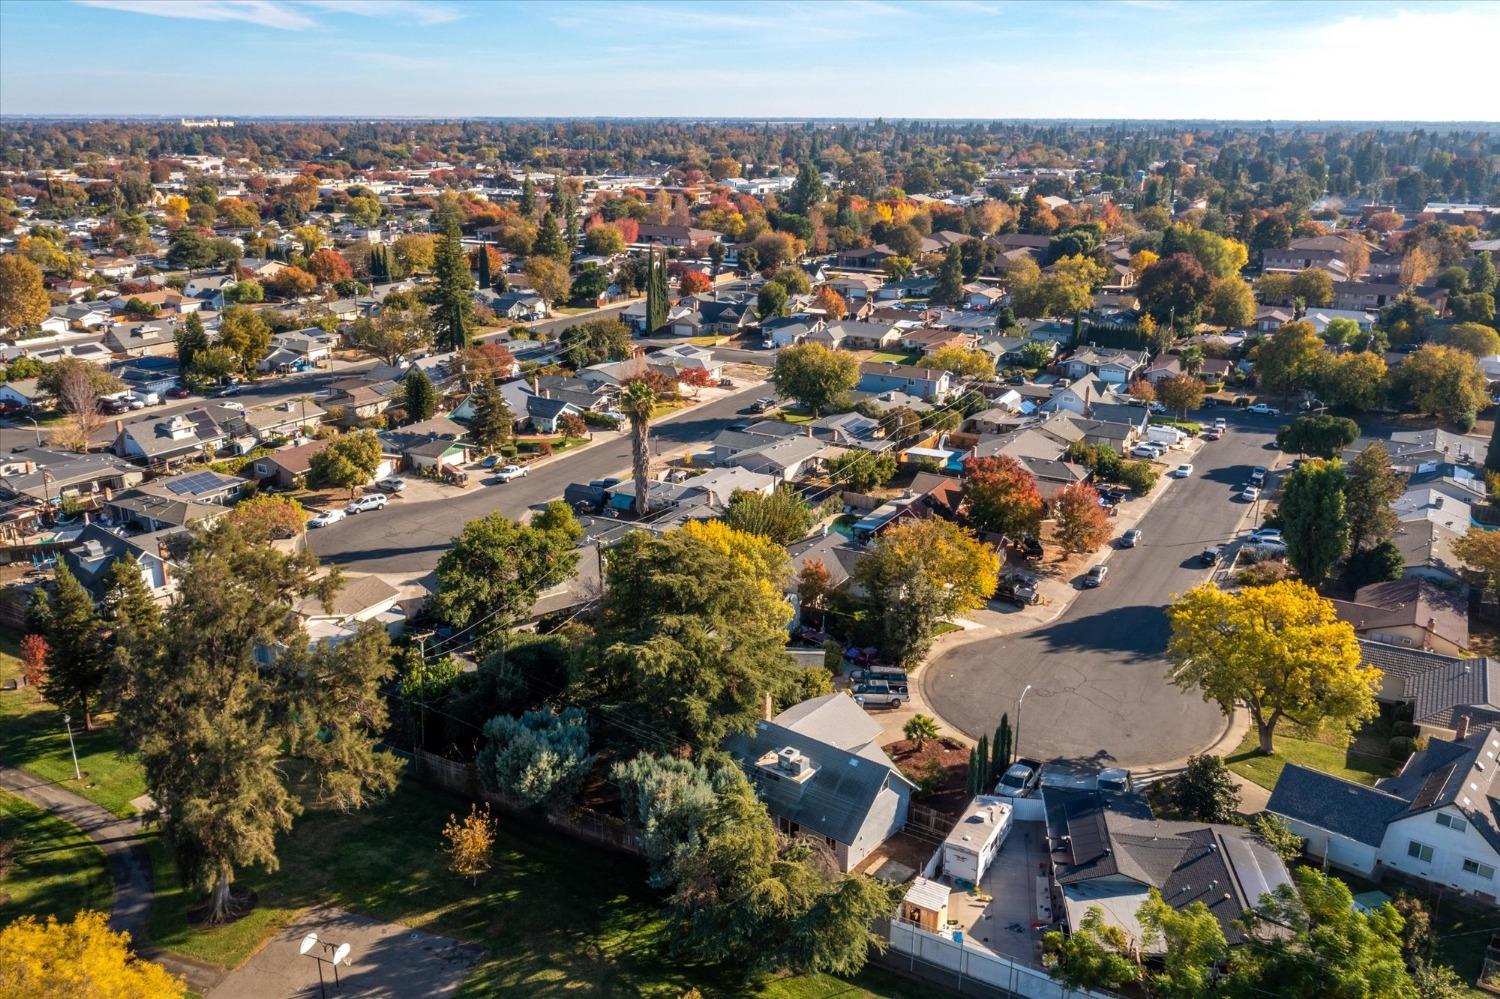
(471, 843)
(176, 208)
(1280, 650)
(55, 960)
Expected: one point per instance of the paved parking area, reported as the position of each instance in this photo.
(1011, 900)
(386, 961)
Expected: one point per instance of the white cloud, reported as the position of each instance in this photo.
(265, 13)
(290, 16)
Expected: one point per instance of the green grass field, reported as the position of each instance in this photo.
(1336, 760)
(32, 736)
(55, 870)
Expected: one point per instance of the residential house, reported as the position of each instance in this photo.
(429, 445)
(720, 484)
(1438, 689)
(788, 458)
(359, 398)
(1412, 612)
(143, 338)
(362, 597)
(864, 257)
(520, 306)
(92, 555)
(674, 235)
(819, 768)
(177, 501)
(686, 357)
(23, 392)
(287, 467)
(1108, 364)
(1427, 550)
(299, 350)
(789, 331)
(1437, 821)
(857, 335)
(925, 383)
(1164, 367)
(983, 296)
(289, 418)
(158, 440)
(930, 340)
(1110, 857)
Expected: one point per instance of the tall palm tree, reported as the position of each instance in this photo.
(638, 402)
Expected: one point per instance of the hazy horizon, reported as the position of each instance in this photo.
(967, 60)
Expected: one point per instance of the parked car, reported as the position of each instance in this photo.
(178, 392)
(1156, 407)
(1265, 534)
(233, 405)
(1115, 494)
(369, 501)
(1220, 423)
(393, 484)
(1262, 409)
(878, 693)
(1147, 451)
(1258, 475)
(1182, 471)
(507, 472)
(229, 390)
(492, 460)
(1095, 576)
(1212, 434)
(875, 673)
(762, 405)
(1250, 494)
(1018, 589)
(1211, 555)
(1130, 538)
(326, 517)
(1029, 547)
(1020, 777)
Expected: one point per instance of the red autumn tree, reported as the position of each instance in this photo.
(1082, 524)
(694, 283)
(329, 266)
(696, 377)
(629, 228)
(486, 360)
(34, 661)
(1001, 496)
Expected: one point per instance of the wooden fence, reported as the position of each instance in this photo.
(581, 823)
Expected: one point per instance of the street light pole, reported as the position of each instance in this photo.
(37, 427)
(68, 724)
(1016, 747)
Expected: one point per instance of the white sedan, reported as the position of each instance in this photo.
(507, 472)
(1145, 451)
(326, 517)
(1250, 494)
(1182, 471)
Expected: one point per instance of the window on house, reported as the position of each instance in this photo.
(1421, 851)
(1483, 870)
(1451, 821)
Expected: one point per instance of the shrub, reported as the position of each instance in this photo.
(1400, 747)
(536, 758)
(1263, 573)
(1138, 476)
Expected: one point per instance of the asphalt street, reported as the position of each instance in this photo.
(1099, 689)
(409, 538)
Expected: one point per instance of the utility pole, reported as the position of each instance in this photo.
(1016, 742)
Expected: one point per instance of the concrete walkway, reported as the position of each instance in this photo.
(129, 866)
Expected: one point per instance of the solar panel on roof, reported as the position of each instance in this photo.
(1431, 788)
(196, 482)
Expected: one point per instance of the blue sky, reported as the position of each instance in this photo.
(935, 59)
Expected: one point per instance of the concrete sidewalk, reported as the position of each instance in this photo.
(129, 866)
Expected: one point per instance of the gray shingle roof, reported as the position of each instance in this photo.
(1440, 687)
(1339, 806)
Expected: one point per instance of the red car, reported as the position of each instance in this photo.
(178, 392)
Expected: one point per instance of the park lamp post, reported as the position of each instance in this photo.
(1016, 748)
(68, 724)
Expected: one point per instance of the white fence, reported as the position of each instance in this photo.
(963, 967)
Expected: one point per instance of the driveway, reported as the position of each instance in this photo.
(1098, 676)
(409, 538)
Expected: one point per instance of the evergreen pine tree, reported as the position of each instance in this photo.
(1003, 739)
(77, 653)
(190, 340)
(973, 782)
(484, 266)
(949, 289)
(134, 622)
(492, 424)
(1482, 273)
(570, 214)
(452, 304)
(982, 761)
(421, 398)
(1492, 458)
(656, 293)
(528, 198)
(549, 241)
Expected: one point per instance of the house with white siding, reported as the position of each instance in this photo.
(1437, 821)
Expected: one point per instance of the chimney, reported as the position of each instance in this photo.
(119, 425)
(767, 709)
(1461, 730)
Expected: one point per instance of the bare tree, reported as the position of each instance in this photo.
(78, 396)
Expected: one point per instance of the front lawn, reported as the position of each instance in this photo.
(55, 869)
(1337, 760)
(895, 356)
(32, 736)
